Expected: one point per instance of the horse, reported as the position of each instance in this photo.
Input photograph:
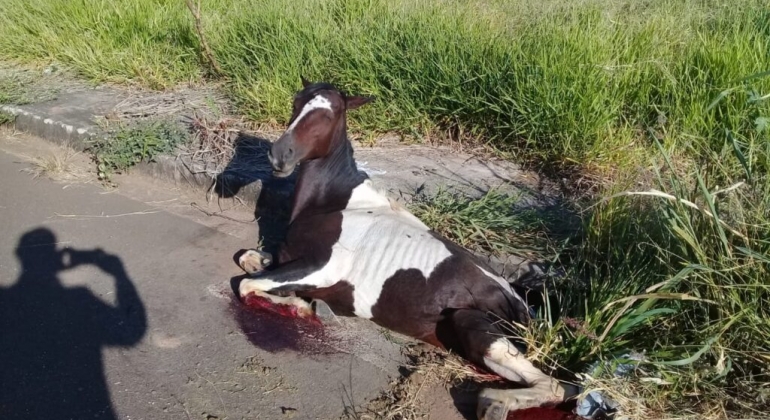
(365, 255)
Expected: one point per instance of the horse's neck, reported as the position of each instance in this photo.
(326, 184)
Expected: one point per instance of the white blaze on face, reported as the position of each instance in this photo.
(315, 103)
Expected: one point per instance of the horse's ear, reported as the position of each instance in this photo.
(305, 82)
(353, 102)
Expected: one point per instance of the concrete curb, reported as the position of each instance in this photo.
(57, 131)
(73, 133)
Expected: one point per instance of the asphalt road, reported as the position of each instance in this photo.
(116, 306)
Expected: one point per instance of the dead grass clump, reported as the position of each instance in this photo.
(6, 117)
(447, 368)
(427, 367)
(214, 141)
(60, 168)
(140, 104)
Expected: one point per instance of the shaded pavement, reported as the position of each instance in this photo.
(52, 336)
(113, 308)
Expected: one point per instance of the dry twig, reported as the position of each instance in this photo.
(196, 12)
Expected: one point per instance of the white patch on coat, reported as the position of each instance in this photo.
(318, 102)
(378, 238)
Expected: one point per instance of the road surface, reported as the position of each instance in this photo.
(117, 305)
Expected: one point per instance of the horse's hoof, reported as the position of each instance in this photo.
(491, 409)
(304, 310)
(495, 404)
(253, 261)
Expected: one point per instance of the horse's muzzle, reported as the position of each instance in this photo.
(282, 158)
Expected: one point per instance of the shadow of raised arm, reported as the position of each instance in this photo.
(126, 322)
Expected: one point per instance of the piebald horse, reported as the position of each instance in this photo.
(365, 255)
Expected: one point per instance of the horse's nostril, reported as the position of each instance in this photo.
(291, 151)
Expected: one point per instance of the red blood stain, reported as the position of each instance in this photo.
(261, 303)
(276, 327)
(561, 412)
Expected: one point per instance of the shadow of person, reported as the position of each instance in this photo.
(51, 336)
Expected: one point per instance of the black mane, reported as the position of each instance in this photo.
(314, 88)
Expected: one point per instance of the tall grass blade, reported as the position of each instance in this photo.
(692, 359)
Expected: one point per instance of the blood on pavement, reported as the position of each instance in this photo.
(276, 327)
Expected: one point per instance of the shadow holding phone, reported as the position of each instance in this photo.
(51, 336)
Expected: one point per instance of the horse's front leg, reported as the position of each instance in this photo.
(253, 261)
(276, 285)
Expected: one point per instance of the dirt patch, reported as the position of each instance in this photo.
(433, 385)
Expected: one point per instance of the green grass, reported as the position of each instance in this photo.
(141, 142)
(496, 223)
(567, 83)
(678, 270)
(149, 42)
(6, 117)
(20, 86)
(14, 89)
(648, 94)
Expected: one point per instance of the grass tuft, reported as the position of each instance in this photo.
(13, 90)
(496, 223)
(22, 86)
(6, 117)
(678, 272)
(140, 142)
(58, 167)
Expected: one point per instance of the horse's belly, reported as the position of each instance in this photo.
(368, 256)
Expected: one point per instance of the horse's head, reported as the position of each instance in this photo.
(319, 109)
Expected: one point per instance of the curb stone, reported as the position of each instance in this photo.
(70, 120)
(46, 128)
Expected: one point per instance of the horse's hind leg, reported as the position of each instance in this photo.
(505, 360)
(482, 342)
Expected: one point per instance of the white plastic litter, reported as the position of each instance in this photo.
(597, 403)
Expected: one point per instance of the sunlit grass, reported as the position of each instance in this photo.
(572, 84)
(678, 270)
